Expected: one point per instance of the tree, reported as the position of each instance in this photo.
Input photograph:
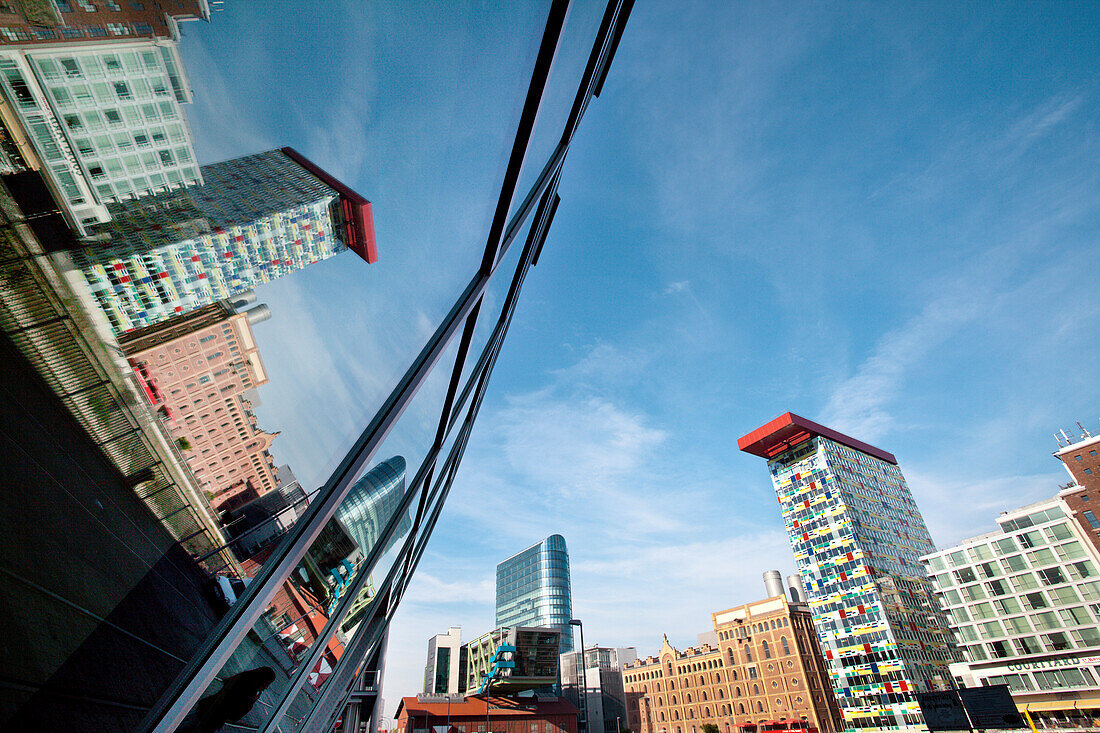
(183, 443)
(710, 728)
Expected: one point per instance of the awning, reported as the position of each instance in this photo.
(1045, 706)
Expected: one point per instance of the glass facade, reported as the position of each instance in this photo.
(256, 218)
(1024, 602)
(857, 537)
(533, 589)
(371, 503)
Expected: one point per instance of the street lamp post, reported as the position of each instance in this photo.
(583, 677)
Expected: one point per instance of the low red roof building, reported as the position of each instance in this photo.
(478, 714)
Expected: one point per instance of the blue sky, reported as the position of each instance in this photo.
(882, 217)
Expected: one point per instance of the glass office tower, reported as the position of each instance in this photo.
(371, 503)
(533, 589)
(858, 537)
(254, 219)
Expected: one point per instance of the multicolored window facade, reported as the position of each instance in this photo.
(857, 537)
(533, 589)
(254, 219)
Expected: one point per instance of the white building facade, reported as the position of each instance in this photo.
(602, 696)
(441, 673)
(103, 120)
(1024, 605)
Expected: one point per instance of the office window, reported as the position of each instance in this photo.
(1023, 582)
(1031, 539)
(1046, 620)
(1076, 616)
(1034, 600)
(1057, 641)
(1028, 645)
(1086, 637)
(1063, 678)
(1064, 596)
(991, 629)
(965, 575)
(1059, 532)
(1052, 576)
(989, 570)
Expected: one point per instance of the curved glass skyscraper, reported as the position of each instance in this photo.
(372, 501)
(533, 589)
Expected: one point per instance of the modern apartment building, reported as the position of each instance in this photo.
(532, 589)
(441, 673)
(857, 537)
(79, 21)
(198, 370)
(598, 689)
(254, 219)
(101, 121)
(1024, 604)
(766, 671)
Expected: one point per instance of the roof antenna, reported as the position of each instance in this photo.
(1085, 433)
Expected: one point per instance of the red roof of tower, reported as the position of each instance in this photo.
(788, 430)
(358, 218)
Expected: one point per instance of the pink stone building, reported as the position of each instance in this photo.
(197, 370)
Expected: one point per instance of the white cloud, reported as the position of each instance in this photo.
(860, 405)
(956, 506)
(1037, 123)
(574, 444)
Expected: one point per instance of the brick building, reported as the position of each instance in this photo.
(476, 714)
(76, 21)
(1081, 505)
(765, 672)
(1081, 457)
(198, 370)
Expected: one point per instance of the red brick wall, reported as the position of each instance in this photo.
(1079, 501)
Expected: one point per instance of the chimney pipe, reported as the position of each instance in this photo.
(796, 589)
(259, 314)
(773, 582)
(240, 300)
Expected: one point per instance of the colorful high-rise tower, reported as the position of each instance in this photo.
(857, 537)
(254, 219)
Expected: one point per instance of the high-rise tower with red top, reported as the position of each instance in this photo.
(857, 537)
(254, 219)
